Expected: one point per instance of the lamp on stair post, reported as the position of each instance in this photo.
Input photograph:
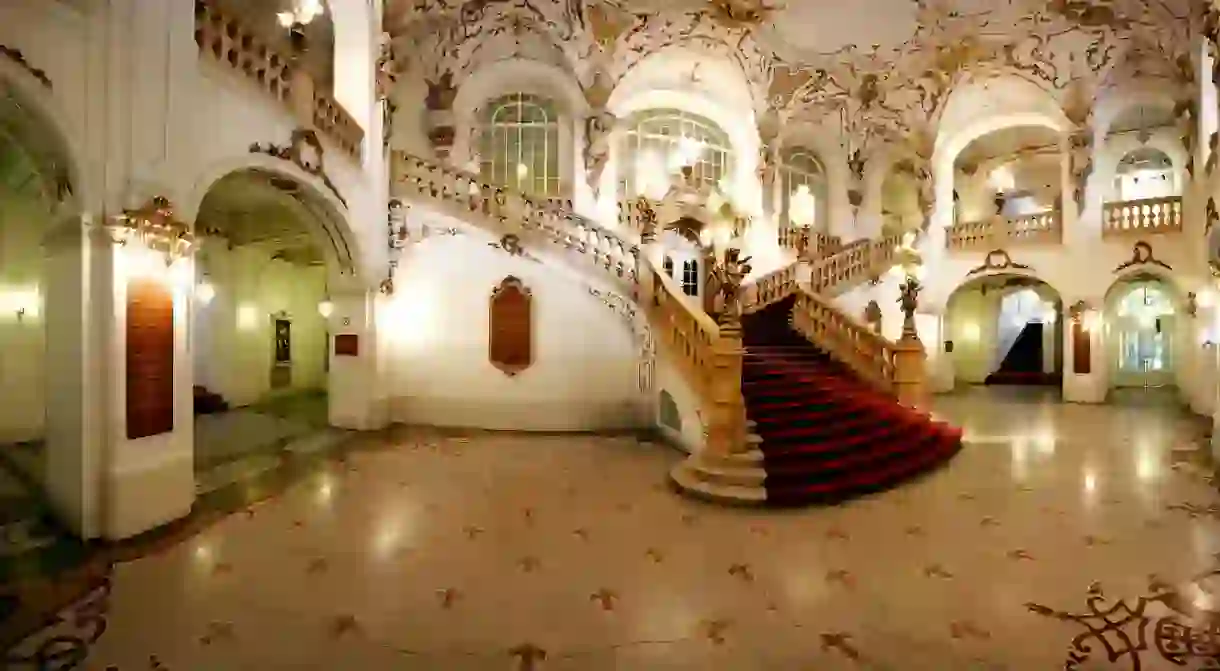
(726, 427)
(302, 13)
(909, 354)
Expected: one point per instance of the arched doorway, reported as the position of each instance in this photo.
(40, 379)
(270, 251)
(1005, 330)
(1143, 332)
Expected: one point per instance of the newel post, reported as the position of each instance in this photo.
(910, 359)
(647, 254)
(726, 429)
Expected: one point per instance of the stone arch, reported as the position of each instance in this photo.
(716, 91)
(341, 245)
(1112, 103)
(1149, 272)
(47, 125)
(990, 101)
(519, 75)
(975, 323)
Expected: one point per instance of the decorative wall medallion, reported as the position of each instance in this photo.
(997, 260)
(17, 57)
(1141, 254)
(304, 150)
(510, 243)
(510, 327)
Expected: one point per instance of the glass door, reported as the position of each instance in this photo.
(1144, 327)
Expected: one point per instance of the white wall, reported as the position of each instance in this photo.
(233, 339)
(585, 370)
(23, 222)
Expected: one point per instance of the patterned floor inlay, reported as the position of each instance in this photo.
(503, 551)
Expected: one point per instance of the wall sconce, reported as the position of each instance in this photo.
(523, 171)
(205, 292)
(21, 303)
(326, 308)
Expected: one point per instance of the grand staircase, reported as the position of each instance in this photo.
(798, 406)
(826, 434)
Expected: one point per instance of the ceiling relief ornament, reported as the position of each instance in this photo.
(876, 94)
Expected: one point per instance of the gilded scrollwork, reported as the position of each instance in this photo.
(1072, 49)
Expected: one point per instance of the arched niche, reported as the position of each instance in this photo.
(327, 214)
(510, 330)
(543, 81)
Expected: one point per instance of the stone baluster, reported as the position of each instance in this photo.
(909, 355)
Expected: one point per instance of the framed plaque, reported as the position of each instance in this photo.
(347, 344)
(1082, 352)
(149, 358)
(510, 327)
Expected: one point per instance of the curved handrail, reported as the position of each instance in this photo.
(686, 333)
(498, 206)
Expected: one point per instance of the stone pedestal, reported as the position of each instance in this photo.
(910, 374)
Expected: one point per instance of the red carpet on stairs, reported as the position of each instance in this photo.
(827, 435)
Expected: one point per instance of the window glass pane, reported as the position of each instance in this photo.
(519, 145)
(659, 142)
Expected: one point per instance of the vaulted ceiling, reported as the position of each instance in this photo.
(885, 65)
(258, 209)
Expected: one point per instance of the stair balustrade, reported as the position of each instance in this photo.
(1135, 218)
(227, 41)
(844, 338)
(809, 244)
(502, 212)
(707, 357)
(856, 263)
(1041, 228)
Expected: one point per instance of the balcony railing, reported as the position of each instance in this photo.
(809, 244)
(1142, 217)
(1042, 228)
(232, 45)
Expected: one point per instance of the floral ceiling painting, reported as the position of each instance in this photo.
(884, 81)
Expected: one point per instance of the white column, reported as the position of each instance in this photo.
(1091, 387)
(352, 385)
(75, 433)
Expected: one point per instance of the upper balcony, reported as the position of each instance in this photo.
(232, 43)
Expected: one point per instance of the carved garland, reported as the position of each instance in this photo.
(1141, 254)
(997, 260)
(304, 151)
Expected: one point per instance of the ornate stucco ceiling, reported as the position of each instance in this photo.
(884, 66)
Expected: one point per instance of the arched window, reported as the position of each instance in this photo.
(803, 190)
(1145, 173)
(519, 145)
(660, 142)
(690, 277)
(668, 266)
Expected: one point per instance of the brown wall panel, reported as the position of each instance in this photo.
(1082, 353)
(150, 358)
(510, 327)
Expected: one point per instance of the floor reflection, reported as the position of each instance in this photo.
(426, 549)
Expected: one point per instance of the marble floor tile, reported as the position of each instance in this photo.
(502, 551)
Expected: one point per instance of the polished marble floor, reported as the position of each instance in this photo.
(425, 550)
